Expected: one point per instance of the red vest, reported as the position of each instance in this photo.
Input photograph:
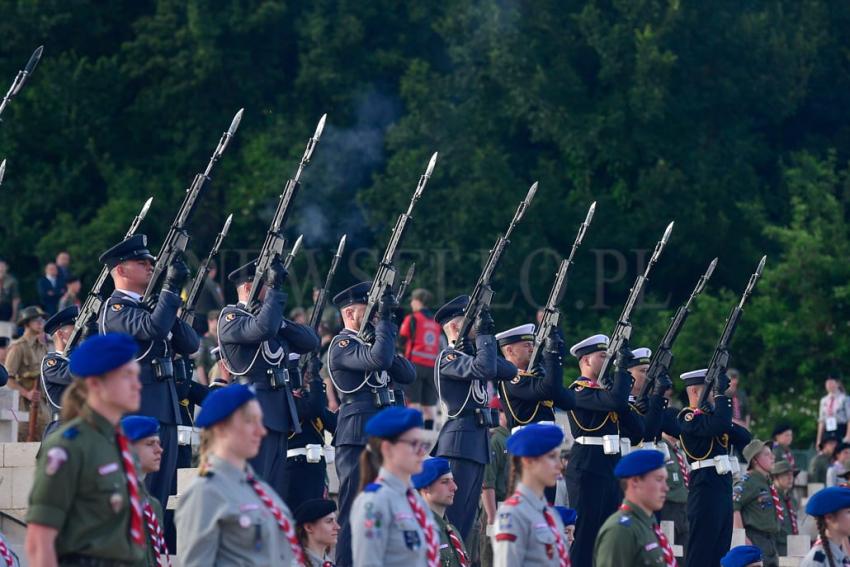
(424, 346)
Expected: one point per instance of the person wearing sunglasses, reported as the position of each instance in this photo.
(391, 525)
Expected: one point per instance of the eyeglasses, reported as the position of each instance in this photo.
(417, 445)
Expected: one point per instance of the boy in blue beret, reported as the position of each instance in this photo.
(631, 536)
(437, 486)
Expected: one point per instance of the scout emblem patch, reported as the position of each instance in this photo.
(412, 540)
(116, 501)
(117, 307)
(56, 457)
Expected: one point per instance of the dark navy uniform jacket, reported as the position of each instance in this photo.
(529, 399)
(461, 384)
(357, 369)
(706, 435)
(160, 334)
(639, 426)
(598, 412)
(252, 345)
(55, 377)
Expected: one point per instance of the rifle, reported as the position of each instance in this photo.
(385, 278)
(275, 239)
(623, 329)
(551, 313)
(94, 300)
(482, 294)
(720, 358)
(187, 315)
(321, 301)
(178, 237)
(21, 78)
(405, 283)
(662, 358)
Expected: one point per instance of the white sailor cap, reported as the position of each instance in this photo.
(641, 356)
(589, 345)
(694, 377)
(516, 335)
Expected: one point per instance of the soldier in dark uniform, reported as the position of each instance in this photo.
(363, 374)
(648, 411)
(159, 334)
(255, 348)
(306, 468)
(595, 424)
(705, 440)
(461, 376)
(55, 376)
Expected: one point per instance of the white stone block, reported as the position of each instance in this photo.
(669, 529)
(739, 537)
(5, 489)
(20, 454)
(798, 545)
(22, 478)
(814, 487)
(185, 478)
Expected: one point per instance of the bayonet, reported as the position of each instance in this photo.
(21, 78)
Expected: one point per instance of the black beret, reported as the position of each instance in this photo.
(135, 247)
(244, 273)
(358, 293)
(780, 428)
(312, 510)
(452, 309)
(60, 319)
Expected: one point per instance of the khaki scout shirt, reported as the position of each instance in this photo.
(628, 538)
(497, 470)
(753, 499)
(80, 489)
(448, 555)
(23, 361)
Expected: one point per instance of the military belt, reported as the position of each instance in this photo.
(77, 560)
(518, 427)
(720, 463)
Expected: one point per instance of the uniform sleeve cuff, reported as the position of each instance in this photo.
(46, 516)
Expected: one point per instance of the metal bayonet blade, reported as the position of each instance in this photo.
(710, 269)
(145, 208)
(531, 192)
(226, 227)
(430, 169)
(234, 124)
(34, 59)
(590, 212)
(760, 268)
(341, 246)
(320, 127)
(297, 246)
(667, 232)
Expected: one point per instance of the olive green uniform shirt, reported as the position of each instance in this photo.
(678, 492)
(753, 500)
(150, 555)
(628, 538)
(448, 555)
(80, 489)
(497, 470)
(818, 468)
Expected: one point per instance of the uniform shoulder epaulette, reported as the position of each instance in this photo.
(582, 383)
(372, 487)
(71, 432)
(625, 520)
(819, 556)
(512, 501)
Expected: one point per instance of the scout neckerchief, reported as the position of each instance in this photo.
(683, 467)
(776, 504)
(663, 542)
(6, 554)
(792, 513)
(455, 541)
(559, 539)
(132, 489)
(282, 521)
(156, 537)
(432, 553)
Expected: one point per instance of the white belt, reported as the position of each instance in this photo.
(518, 427)
(721, 463)
(187, 435)
(649, 445)
(589, 440)
(302, 451)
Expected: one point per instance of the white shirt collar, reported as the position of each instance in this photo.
(131, 294)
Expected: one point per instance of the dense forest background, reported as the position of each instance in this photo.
(730, 119)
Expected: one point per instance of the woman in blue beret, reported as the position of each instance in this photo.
(229, 517)
(528, 531)
(318, 530)
(391, 526)
(830, 508)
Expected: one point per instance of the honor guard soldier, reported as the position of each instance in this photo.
(829, 507)
(705, 441)
(461, 374)
(23, 361)
(84, 507)
(742, 556)
(390, 523)
(783, 480)
(318, 530)
(143, 434)
(650, 411)
(306, 466)
(255, 348)
(756, 510)
(595, 423)
(532, 395)
(55, 375)
(631, 536)
(529, 531)
(228, 517)
(159, 334)
(363, 373)
(437, 486)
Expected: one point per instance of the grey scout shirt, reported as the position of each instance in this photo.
(384, 530)
(817, 558)
(522, 535)
(222, 522)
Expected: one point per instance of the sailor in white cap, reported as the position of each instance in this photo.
(647, 407)
(595, 423)
(705, 439)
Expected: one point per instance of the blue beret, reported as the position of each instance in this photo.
(741, 556)
(314, 509)
(100, 354)
(828, 500)
(451, 309)
(393, 421)
(244, 273)
(358, 293)
(432, 469)
(568, 515)
(222, 402)
(135, 247)
(639, 462)
(60, 319)
(138, 427)
(535, 440)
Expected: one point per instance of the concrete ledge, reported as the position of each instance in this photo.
(19, 454)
